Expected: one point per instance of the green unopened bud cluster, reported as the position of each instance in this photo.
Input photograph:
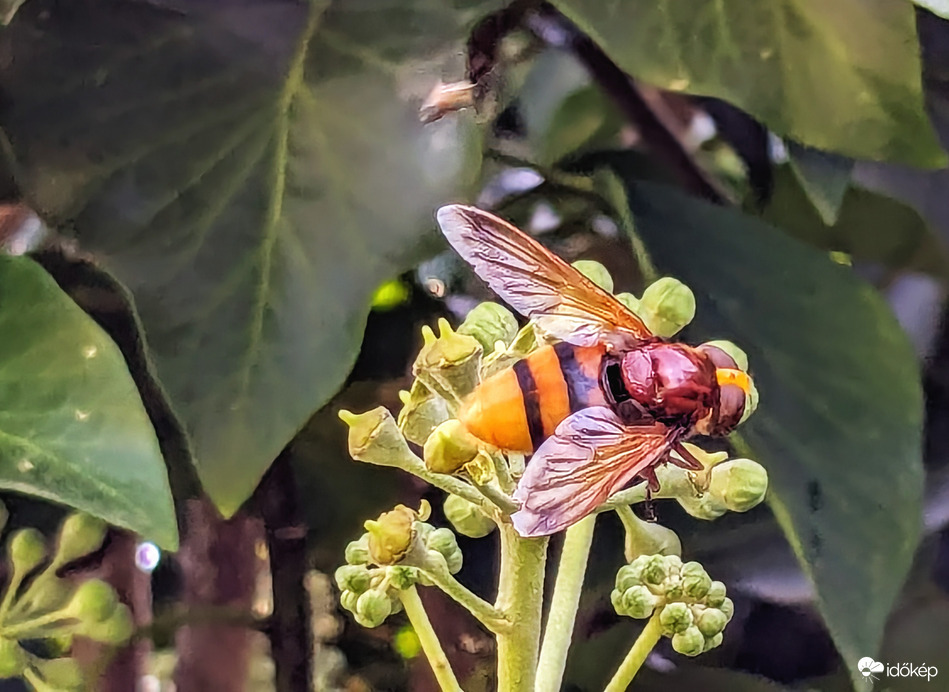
(667, 305)
(692, 609)
(52, 609)
(396, 552)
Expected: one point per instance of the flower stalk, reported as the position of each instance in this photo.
(427, 638)
(645, 642)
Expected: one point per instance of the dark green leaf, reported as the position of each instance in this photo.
(840, 420)
(72, 425)
(824, 176)
(937, 7)
(251, 171)
(841, 76)
(870, 227)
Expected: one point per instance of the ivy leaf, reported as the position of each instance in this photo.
(839, 425)
(841, 76)
(937, 7)
(72, 426)
(824, 177)
(871, 227)
(251, 170)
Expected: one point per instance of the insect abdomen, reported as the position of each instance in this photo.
(520, 407)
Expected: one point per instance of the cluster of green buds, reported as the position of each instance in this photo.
(397, 551)
(40, 606)
(691, 609)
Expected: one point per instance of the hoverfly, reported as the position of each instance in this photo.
(603, 406)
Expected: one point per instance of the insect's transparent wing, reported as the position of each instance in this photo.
(590, 456)
(537, 283)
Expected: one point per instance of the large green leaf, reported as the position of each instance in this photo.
(72, 425)
(842, 76)
(870, 226)
(824, 178)
(251, 170)
(839, 426)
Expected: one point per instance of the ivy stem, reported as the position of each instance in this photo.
(558, 632)
(487, 614)
(634, 660)
(428, 640)
(520, 598)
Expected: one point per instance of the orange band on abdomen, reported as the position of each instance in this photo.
(553, 399)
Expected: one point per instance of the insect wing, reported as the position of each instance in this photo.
(590, 456)
(538, 284)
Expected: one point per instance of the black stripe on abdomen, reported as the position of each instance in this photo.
(525, 380)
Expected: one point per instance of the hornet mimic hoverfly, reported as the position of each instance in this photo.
(605, 405)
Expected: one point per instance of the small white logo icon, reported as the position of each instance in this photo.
(867, 667)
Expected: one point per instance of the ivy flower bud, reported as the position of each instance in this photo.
(736, 353)
(391, 535)
(26, 549)
(451, 360)
(712, 642)
(422, 412)
(375, 438)
(654, 569)
(629, 575)
(629, 300)
(490, 323)
(79, 535)
(716, 594)
(372, 608)
(596, 273)
(115, 629)
(675, 618)
(467, 517)
(354, 578)
(638, 602)
(695, 580)
(711, 622)
(348, 599)
(667, 306)
(728, 607)
(689, 642)
(443, 541)
(449, 447)
(60, 673)
(357, 552)
(739, 484)
(402, 577)
(94, 601)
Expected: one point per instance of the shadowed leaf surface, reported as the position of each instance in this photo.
(824, 177)
(72, 425)
(251, 170)
(842, 76)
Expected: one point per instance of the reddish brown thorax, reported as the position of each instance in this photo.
(677, 384)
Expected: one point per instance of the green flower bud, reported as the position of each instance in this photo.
(353, 578)
(372, 608)
(449, 447)
(402, 577)
(391, 535)
(702, 506)
(716, 594)
(695, 580)
(375, 438)
(467, 517)
(638, 602)
(712, 642)
(348, 599)
(711, 622)
(629, 575)
(395, 601)
(667, 306)
(689, 642)
(751, 401)
(94, 601)
(444, 542)
(728, 607)
(629, 300)
(13, 658)
(737, 355)
(490, 323)
(61, 673)
(450, 362)
(26, 549)
(79, 535)
(422, 412)
(357, 552)
(596, 273)
(674, 618)
(616, 598)
(116, 629)
(649, 538)
(739, 484)
(654, 569)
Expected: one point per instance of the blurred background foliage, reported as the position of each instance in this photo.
(241, 194)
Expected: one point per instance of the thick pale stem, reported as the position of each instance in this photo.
(487, 614)
(429, 640)
(634, 660)
(520, 598)
(563, 607)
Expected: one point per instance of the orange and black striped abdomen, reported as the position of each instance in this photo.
(520, 407)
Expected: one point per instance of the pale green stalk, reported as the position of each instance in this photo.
(563, 607)
(428, 640)
(634, 660)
